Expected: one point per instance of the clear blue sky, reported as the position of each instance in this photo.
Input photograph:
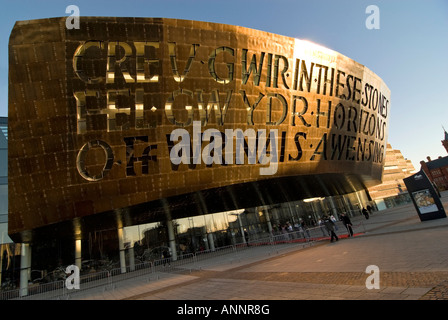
(409, 51)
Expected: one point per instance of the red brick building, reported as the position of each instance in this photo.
(445, 141)
(437, 170)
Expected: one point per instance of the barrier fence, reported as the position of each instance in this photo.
(108, 279)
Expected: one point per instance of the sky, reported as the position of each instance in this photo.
(409, 50)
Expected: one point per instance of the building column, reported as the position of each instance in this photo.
(121, 248)
(78, 259)
(360, 202)
(242, 229)
(316, 215)
(131, 259)
(348, 206)
(268, 220)
(171, 238)
(211, 242)
(25, 268)
(333, 207)
(1, 262)
(170, 227)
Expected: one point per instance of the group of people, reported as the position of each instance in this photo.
(331, 226)
(327, 223)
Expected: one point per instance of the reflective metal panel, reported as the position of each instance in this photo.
(127, 111)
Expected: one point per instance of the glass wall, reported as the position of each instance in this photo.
(207, 232)
(398, 200)
(4, 181)
(194, 234)
(9, 252)
(197, 233)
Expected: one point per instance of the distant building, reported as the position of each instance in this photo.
(392, 191)
(437, 170)
(445, 141)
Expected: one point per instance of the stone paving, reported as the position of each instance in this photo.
(411, 257)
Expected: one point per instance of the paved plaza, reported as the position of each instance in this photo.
(410, 256)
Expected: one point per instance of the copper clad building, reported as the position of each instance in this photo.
(129, 121)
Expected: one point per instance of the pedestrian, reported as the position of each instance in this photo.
(290, 230)
(365, 213)
(322, 227)
(330, 227)
(305, 228)
(334, 220)
(348, 224)
(246, 237)
(166, 256)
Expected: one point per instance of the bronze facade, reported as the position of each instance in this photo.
(126, 120)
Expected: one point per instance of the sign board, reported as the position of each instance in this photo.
(424, 196)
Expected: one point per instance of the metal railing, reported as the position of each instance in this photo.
(108, 279)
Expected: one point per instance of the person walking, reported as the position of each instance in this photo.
(330, 227)
(322, 228)
(166, 255)
(334, 221)
(365, 213)
(348, 224)
(246, 237)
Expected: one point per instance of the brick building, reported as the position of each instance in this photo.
(445, 141)
(437, 170)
